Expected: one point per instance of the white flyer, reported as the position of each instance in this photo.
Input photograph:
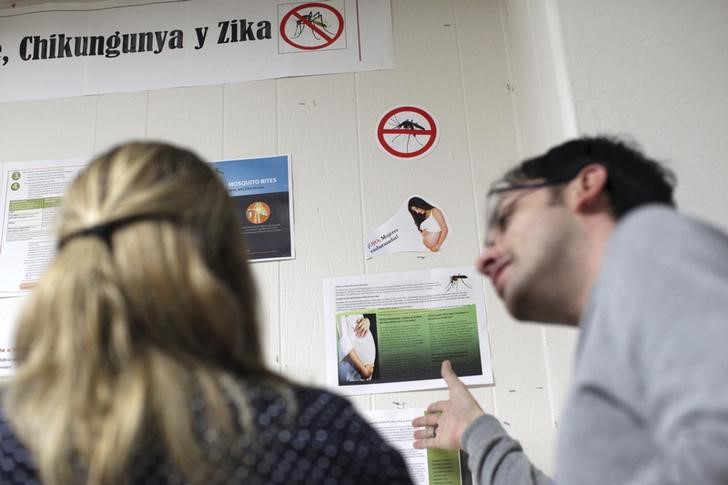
(390, 332)
(426, 467)
(31, 197)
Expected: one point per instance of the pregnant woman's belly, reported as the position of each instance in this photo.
(365, 348)
(430, 238)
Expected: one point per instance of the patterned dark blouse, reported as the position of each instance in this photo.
(325, 442)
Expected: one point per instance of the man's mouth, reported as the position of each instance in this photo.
(496, 275)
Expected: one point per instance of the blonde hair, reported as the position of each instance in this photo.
(127, 327)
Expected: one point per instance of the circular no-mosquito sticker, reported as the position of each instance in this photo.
(312, 26)
(407, 132)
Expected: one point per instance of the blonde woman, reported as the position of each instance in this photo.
(139, 353)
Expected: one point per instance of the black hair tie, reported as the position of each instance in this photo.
(105, 230)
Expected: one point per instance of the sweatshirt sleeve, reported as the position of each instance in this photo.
(496, 458)
(680, 319)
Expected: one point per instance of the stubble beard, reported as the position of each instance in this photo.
(543, 290)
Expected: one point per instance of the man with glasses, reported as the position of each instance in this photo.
(585, 235)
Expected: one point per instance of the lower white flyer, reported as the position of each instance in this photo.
(426, 467)
(390, 332)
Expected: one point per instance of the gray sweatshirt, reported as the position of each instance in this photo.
(649, 402)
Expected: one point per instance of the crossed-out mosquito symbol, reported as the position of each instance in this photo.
(308, 20)
(409, 128)
(455, 281)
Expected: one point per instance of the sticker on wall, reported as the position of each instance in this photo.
(418, 225)
(311, 26)
(407, 132)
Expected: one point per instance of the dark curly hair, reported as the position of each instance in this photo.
(633, 179)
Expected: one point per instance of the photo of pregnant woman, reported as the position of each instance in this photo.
(429, 221)
(357, 348)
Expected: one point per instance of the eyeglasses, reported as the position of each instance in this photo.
(498, 216)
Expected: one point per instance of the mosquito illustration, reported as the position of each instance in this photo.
(455, 281)
(308, 20)
(406, 125)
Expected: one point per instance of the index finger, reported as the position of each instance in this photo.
(426, 420)
(437, 407)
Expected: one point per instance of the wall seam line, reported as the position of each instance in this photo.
(279, 263)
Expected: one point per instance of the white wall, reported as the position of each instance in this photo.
(657, 70)
(654, 71)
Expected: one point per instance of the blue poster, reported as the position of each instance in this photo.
(261, 192)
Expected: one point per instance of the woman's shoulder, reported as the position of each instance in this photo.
(308, 434)
(314, 396)
(328, 435)
(17, 464)
(306, 405)
(325, 409)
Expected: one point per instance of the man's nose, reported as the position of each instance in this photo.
(488, 257)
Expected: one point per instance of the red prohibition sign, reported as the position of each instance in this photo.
(316, 25)
(409, 128)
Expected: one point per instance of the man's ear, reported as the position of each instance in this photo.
(586, 191)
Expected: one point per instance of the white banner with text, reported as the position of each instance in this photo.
(77, 49)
